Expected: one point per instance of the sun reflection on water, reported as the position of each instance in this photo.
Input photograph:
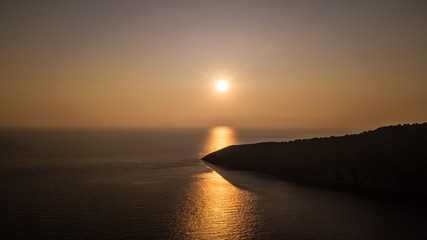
(214, 208)
(219, 137)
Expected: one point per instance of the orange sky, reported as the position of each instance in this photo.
(154, 63)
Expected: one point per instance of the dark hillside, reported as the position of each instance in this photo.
(393, 157)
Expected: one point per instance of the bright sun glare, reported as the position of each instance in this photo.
(222, 85)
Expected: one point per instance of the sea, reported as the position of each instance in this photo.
(100, 183)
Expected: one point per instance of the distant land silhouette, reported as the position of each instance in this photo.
(390, 158)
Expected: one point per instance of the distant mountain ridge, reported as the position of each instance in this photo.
(392, 157)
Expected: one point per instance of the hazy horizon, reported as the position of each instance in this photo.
(289, 64)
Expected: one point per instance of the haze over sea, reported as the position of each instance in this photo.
(151, 184)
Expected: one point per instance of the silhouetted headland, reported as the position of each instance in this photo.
(390, 158)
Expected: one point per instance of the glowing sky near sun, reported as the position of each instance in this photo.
(153, 63)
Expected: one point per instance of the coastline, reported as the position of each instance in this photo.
(391, 158)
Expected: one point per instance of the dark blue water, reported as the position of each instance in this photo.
(150, 184)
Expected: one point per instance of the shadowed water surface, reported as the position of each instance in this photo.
(149, 184)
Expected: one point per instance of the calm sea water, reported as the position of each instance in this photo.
(150, 184)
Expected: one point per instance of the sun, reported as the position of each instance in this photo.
(221, 85)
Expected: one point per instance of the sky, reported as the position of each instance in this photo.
(290, 64)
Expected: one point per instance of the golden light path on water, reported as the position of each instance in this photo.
(216, 209)
(220, 137)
